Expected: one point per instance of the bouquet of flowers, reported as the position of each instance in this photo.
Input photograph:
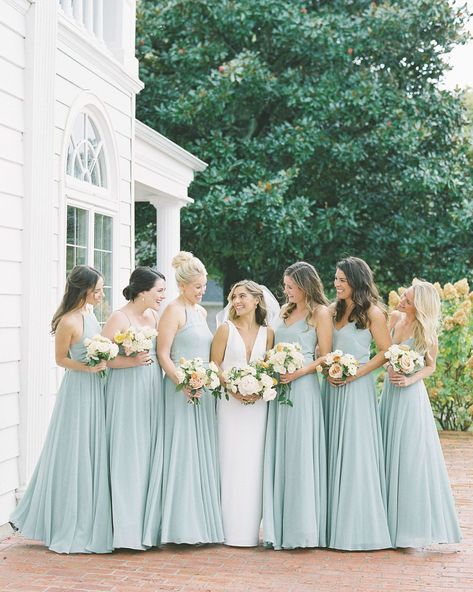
(284, 358)
(194, 377)
(135, 340)
(251, 380)
(100, 348)
(403, 359)
(339, 365)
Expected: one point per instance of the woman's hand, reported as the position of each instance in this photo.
(142, 359)
(290, 376)
(100, 367)
(400, 380)
(245, 400)
(341, 381)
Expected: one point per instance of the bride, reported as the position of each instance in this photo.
(244, 337)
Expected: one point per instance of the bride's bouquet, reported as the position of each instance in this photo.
(250, 381)
(284, 358)
(338, 365)
(194, 376)
(100, 348)
(135, 340)
(403, 359)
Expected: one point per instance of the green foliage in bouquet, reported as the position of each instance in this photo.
(322, 121)
(450, 388)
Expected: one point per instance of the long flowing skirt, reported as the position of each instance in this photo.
(356, 518)
(421, 509)
(135, 435)
(67, 502)
(294, 483)
(241, 435)
(191, 481)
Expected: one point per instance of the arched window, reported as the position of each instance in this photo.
(85, 153)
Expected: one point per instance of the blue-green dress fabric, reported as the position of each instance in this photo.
(135, 439)
(421, 510)
(294, 481)
(67, 502)
(356, 518)
(191, 482)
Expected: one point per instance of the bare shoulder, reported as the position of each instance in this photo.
(323, 313)
(376, 314)
(394, 317)
(270, 331)
(222, 331)
(70, 322)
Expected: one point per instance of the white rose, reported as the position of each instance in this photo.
(406, 365)
(214, 381)
(280, 357)
(248, 385)
(291, 368)
(269, 394)
(352, 369)
(266, 381)
(213, 366)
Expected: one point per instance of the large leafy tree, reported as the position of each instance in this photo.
(325, 128)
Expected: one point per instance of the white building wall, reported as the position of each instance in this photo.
(12, 67)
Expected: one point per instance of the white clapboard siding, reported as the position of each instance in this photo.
(7, 501)
(10, 382)
(12, 19)
(9, 473)
(11, 207)
(10, 314)
(11, 113)
(11, 178)
(11, 144)
(13, 77)
(9, 345)
(8, 442)
(9, 411)
(12, 271)
(12, 46)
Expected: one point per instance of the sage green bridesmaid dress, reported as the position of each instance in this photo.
(191, 481)
(294, 479)
(135, 413)
(67, 502)
(356, 518)
(421, 510)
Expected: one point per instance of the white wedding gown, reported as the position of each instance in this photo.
(241, 435)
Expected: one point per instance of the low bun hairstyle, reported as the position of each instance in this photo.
(81, 279)
(187, 267)
(142, 279)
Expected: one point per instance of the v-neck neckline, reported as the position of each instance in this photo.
(292, 324)
(244, 344)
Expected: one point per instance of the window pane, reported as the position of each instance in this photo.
(85, 154)
(70, 259)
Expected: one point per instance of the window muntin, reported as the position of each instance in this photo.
(85, 154)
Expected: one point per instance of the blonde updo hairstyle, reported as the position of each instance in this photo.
(255, 290)
(187, 267)
(427, 305)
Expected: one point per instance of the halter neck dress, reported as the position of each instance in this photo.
(421, 509)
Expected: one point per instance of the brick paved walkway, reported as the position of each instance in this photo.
(29, 566)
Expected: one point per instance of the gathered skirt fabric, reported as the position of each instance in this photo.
(356, 518)
(67, 502)
(294, 482)
(420, 504)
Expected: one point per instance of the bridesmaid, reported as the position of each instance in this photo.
(294, 486)
(421, 510)
(191, 482)
(67, 502)
(356, 518)
(134, 412)
(242, 339)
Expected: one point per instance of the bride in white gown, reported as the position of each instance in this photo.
(244, 337)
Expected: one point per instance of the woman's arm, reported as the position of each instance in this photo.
(117, 322)
(68, 331)
(380, 332)
(269, 338)
(172, 319)
(219, 345)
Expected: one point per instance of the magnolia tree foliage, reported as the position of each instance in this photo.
(450, 388)
(325, 130)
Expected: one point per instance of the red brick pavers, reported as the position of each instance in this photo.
(28, 566)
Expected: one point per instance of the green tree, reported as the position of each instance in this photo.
(325, 128)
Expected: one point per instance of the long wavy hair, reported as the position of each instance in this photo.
(81, 279)
(305, 276)
(255, 290)
(364, 292)
(427, 305)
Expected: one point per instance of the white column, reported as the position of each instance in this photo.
(168, 241)
(78, 11)
(38, 208)
(98, 19)
(119, 32)
(67, 7)
(89, 15)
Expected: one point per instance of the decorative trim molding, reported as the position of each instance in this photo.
(20, 5)
(95, 53)
(160, 142)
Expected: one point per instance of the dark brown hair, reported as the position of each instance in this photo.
(364, 292)
(81, 279)
(142, 279)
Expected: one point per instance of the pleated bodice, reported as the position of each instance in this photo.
(193, 340)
